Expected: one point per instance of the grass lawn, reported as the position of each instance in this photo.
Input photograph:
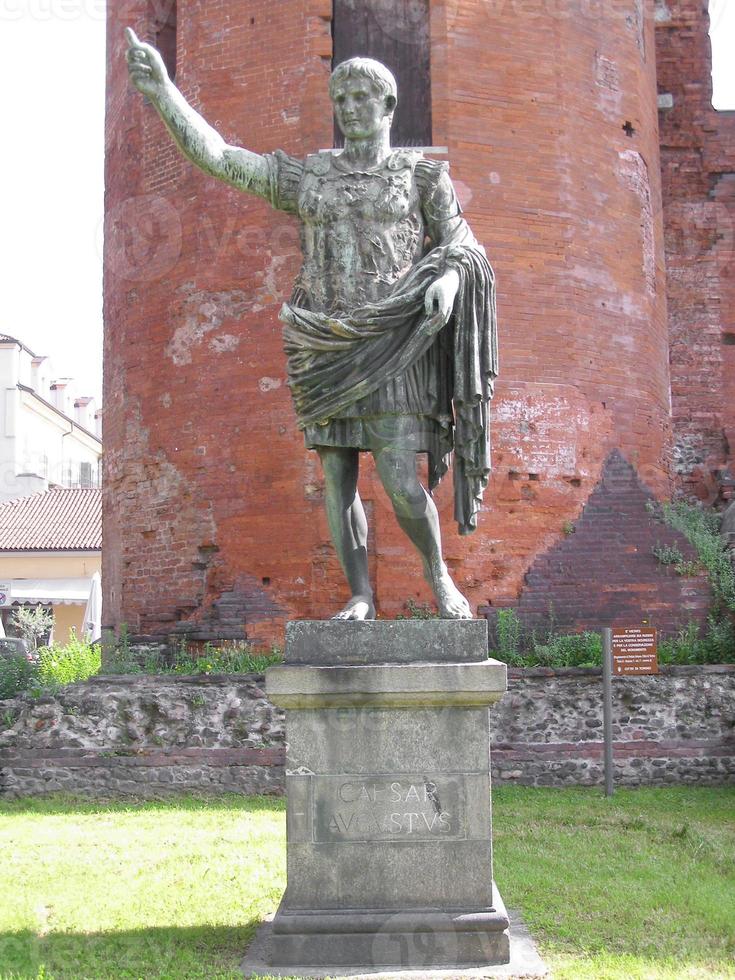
(642, 886)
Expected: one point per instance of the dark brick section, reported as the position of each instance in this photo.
(604, 572)
(231, 617)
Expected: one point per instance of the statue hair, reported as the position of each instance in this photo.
(368, 68)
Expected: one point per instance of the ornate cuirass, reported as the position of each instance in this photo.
(361, 231)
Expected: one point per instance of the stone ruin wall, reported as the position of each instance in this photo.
(150, 736)
(213, 515)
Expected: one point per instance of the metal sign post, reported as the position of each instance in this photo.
(607, 708)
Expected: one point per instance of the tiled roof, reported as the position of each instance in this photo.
(52, 520)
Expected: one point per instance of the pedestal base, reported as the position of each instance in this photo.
(388, 784)
(416, 940)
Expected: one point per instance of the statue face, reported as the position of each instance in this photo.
(360, 109)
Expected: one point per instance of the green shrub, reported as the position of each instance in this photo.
(417, 610)
(714, 645)
(701, 528)
(555, 650)
(51, 668)
(668, 554)
(570, 650)
(32, 622)
(239, 658)
(508, 632)
(76, 660)
(17, 674)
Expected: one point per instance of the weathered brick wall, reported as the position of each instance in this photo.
(199, 429)
(213, 514)
(698, 167)
(149, 736)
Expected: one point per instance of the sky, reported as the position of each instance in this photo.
(722, 32)
(52, 65)
(52, 79)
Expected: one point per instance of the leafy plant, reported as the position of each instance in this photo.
(701, 528)
(692, 645)
(667, 554)
(714, 644)
(671, 555)
(415, 610)
(52, 668)
(8, 718)
(237, 658)
(76, 660)
(569, 650)
(508, 632)
(33, 623)
(17, 674)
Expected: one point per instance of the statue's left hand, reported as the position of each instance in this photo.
(439, 299)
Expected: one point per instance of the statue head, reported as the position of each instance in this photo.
(364, 95)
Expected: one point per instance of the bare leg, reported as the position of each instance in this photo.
(348, 527)
(417, 515)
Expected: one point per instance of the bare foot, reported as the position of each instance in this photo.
(359, 607)
(452, 604)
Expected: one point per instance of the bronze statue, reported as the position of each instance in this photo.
(390, 331)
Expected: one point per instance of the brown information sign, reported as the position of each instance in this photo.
(634, 652)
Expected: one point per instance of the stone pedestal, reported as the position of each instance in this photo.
(388, 783)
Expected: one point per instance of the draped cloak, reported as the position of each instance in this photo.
(337, 358)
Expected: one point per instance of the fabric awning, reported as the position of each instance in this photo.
(57, 591)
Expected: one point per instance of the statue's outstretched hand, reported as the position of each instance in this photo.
(145, 64)
(439, 300)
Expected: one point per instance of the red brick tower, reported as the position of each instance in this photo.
(698, 167)
(214, 523)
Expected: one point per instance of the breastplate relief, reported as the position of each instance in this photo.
(362, 231)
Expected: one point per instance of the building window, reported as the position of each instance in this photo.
(164, 32)
(85, 475)
(397, 33)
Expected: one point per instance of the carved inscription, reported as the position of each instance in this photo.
(388, 808)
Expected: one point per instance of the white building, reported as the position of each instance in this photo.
(48, 437)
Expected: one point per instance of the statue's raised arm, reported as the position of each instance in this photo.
(199, 141)
(390, 331)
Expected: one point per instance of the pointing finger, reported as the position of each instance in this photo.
(131, 37)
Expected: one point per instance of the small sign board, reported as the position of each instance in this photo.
(5, 598)
(634, 652)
